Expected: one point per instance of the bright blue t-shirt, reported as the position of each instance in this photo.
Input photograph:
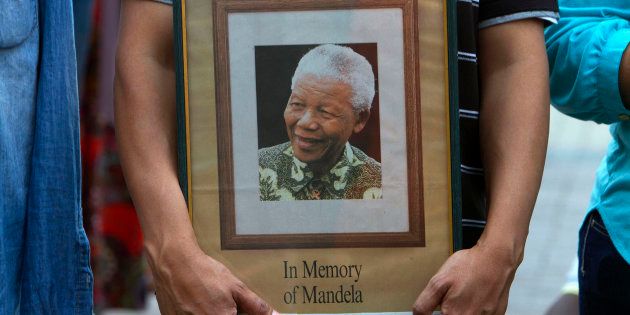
(585, 50)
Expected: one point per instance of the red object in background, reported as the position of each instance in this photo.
(120, 277)
(91, 149)
(119, 221)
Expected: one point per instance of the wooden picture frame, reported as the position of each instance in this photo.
(233, 240)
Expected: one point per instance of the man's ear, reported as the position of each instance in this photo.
(361, 119)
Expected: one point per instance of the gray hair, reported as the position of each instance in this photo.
(343, 64)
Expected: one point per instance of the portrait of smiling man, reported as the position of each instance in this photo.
(332, 91)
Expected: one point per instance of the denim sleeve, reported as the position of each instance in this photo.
(584, 58)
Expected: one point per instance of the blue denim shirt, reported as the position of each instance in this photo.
(44, 252)
(585, 51)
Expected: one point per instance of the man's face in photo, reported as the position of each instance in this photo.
(320, 118)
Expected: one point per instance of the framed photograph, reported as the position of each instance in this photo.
(318, 135)
(378, 206)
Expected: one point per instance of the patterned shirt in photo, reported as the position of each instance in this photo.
(283, 177)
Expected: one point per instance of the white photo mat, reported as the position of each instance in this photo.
(248, 30)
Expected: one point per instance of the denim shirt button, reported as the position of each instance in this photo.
(624, 117)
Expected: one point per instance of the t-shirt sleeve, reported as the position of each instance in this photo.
(493, 12)
(584, 57)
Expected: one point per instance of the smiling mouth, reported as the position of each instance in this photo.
(306, 143)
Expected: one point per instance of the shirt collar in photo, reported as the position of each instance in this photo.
(334, 181)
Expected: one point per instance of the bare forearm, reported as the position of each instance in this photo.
(146, 141)
(146, 130)
(186, 280)
(514, 128)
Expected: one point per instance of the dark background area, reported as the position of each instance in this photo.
(275, 66)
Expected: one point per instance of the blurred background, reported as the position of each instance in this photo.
(122, 279)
